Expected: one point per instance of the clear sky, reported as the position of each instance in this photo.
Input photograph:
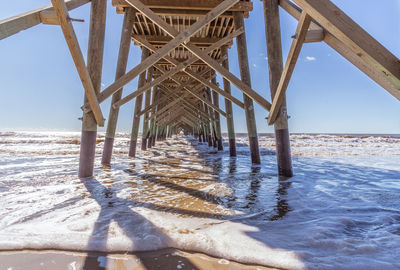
(40, 87)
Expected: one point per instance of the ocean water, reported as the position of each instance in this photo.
(341, 210)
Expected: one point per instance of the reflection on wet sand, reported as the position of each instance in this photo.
(184, 181)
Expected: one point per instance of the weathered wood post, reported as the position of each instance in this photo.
(228, 106)
(275, 62)
(151, 128)
(210, 112)
(158, 96)
(138, 107)
(245, 75)
(145, 128)
(202, 137)
(217, 118)
(125, 43)
(94, 65)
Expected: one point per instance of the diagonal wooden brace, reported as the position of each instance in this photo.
(291, 60)
(62, 13)
(156, 56)
(178, 66)
(203, 56)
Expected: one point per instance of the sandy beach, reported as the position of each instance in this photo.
(167, 259)
(183, 205)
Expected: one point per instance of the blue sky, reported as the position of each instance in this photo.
(40, 88)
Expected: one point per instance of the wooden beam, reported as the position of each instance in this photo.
(356, 60)
(70, 37)
(291, 60)
(208, 103)
(315, 32)
(295, 11)
(228, 107)
(197, 96)
(187, 4)
(15, 24)
(343, 50)
(275, 68)
(194, 75)
(156, 39)
(316, 35)
(95, 53)
(244, 68)
(172, 71)
(138, 107)
(177, 100)
(217, 118)
(204, 56)
(246, 89)
(168, 96)
(337, 23)
(124, 47)
(216, 89)
(176, 41)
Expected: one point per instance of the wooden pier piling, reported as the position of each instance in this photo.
(217, 119)
(138, 107)
(248, 102)
(145, 128)
(228, 106)
(275, 62)
(94, 66)
(188, 41)
(124, 47)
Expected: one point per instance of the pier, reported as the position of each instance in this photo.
(184, 45)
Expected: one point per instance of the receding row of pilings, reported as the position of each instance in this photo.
(189, 31)
(165, 113)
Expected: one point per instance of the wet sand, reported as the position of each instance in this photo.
(165, 259)
(174, 177)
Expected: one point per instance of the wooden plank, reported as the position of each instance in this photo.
(70, 37)
(248, 91)
(228, 106)
(204, 20)
(216, 89)
(138, 107)
(50, 17)
(275, 68)
(168, 96)
(122, 62)
(202, 55)
(172, 71)
(15, 24)
(336, 22)
(187, 4)
(316, 35)
(295, 11)
(315, 32)
(341, 48)
(95, 53)
(124, 47)
(183, 99)
(199, 41)
(291, 60)
(209, 104)
(176, 41)
(356, 60)
(241, 46)
(217, 118)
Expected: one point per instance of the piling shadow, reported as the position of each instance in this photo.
(114, 209)
(119, 210)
